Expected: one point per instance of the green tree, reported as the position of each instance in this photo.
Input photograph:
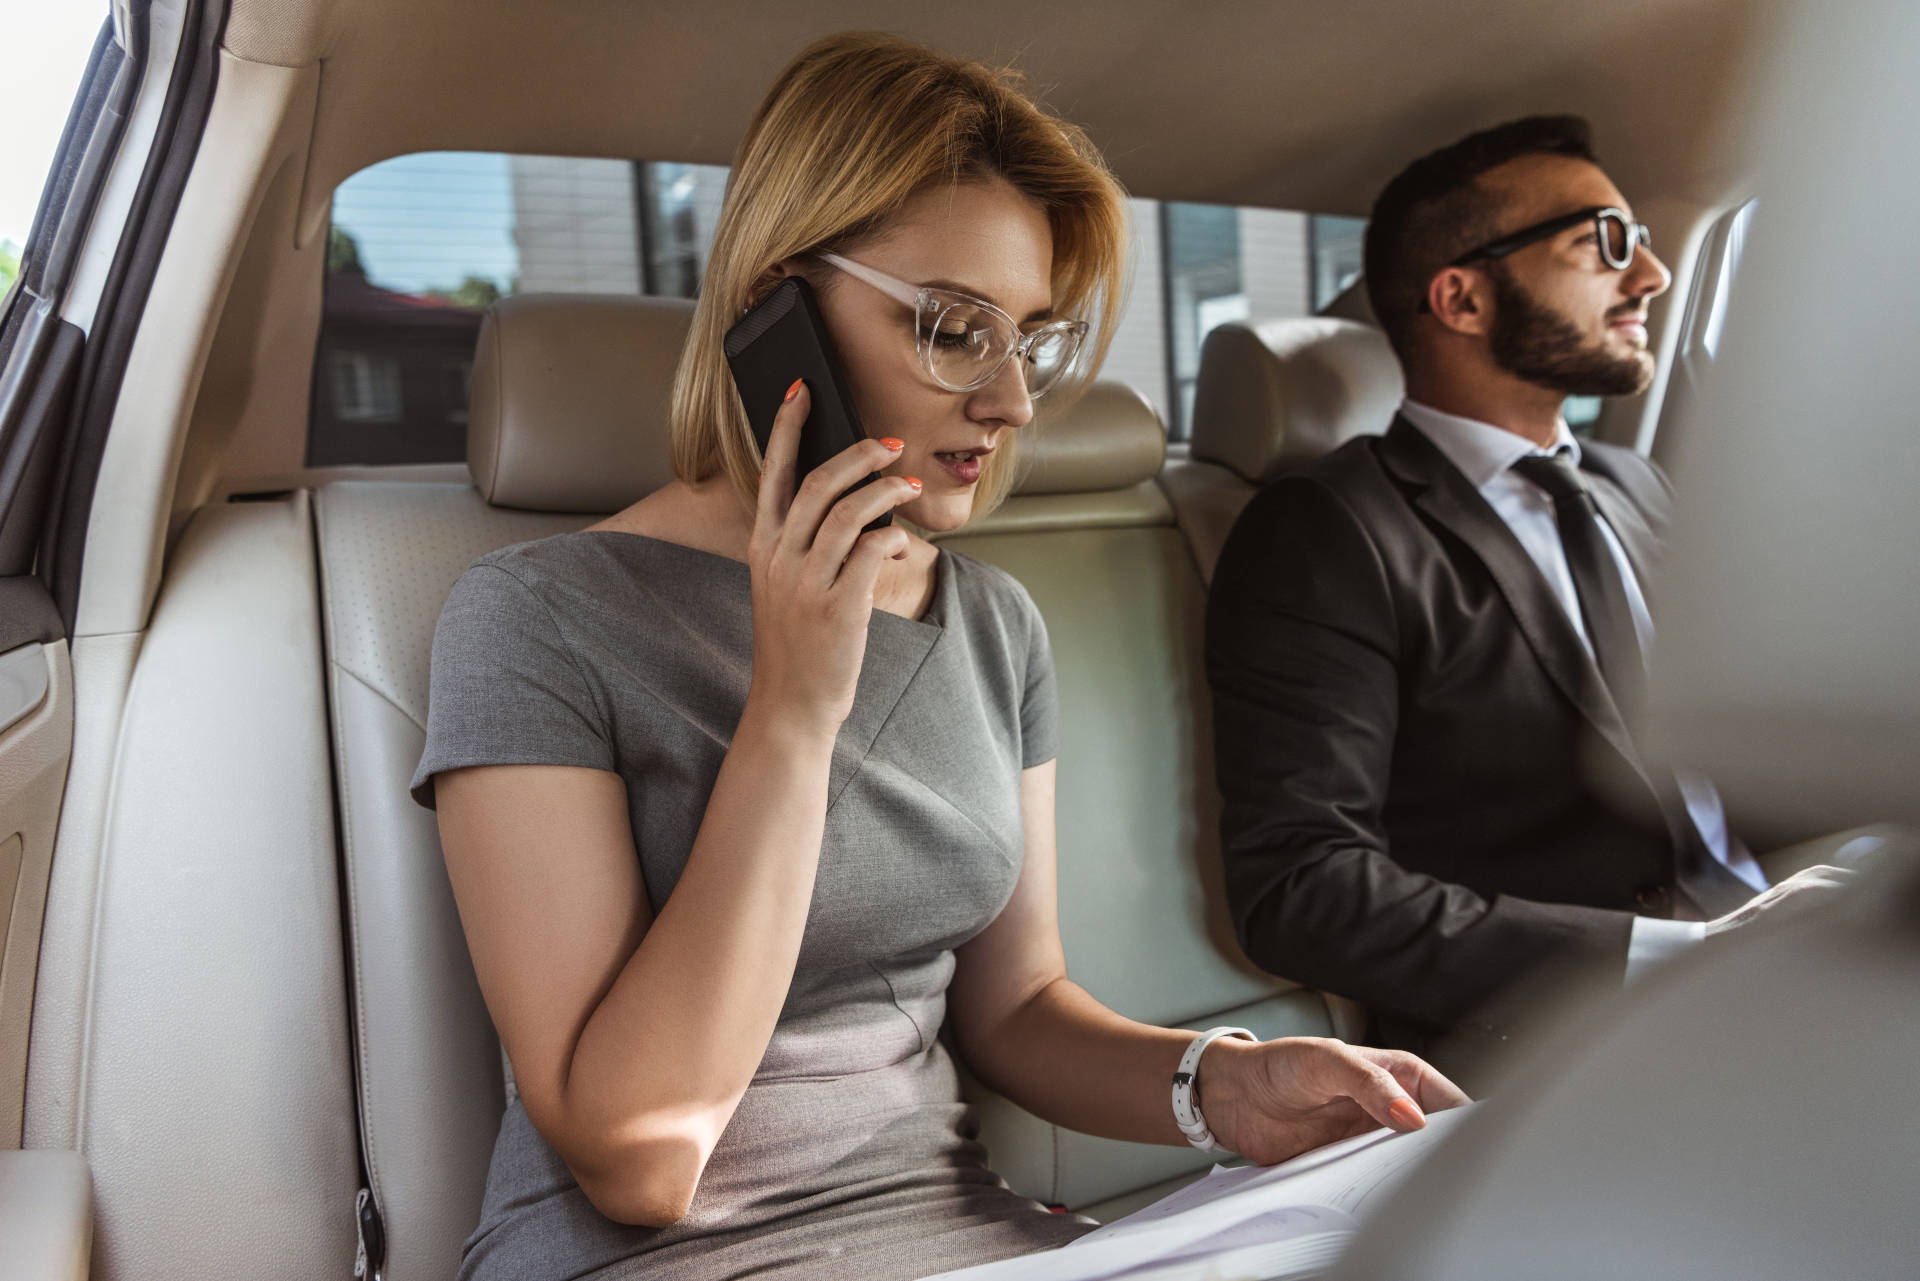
(343, 252)
(475, 292)
(9, 265)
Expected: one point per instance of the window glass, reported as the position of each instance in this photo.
(1218, 264)
(681, 205)
(421, 245)
(1337, 255)
(1204, 289)
(1736, 246)
(1582, 414)
(50, 44)
(365, 386)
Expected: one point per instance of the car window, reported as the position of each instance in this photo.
(419, 246)
(1733, 244)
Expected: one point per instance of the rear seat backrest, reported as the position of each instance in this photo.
(569, 397)
(1091, 535)
(568, 420)
(1273, 395)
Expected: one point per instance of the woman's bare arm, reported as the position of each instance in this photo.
(1032, 1033)
(633, 1037)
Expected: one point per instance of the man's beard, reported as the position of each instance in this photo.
(1531, 340)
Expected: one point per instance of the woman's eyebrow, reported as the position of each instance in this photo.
(955, 287)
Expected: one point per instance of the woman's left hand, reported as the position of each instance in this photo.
(1276, 1099)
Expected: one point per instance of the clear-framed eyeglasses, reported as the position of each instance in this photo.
(965, 342)
(1619, 236)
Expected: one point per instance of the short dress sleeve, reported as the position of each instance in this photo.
(505, 689)
(1040, 701)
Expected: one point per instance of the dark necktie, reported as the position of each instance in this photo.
(1596, 577)
(1616, 648)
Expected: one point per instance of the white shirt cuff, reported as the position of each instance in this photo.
(1654, 941)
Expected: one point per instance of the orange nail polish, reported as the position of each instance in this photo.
(1405, 1114)
(893, 443)
(914, 481)
(793, 390)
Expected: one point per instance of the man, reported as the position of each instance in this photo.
(1426, 648)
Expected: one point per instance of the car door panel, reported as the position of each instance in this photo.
(33, 770)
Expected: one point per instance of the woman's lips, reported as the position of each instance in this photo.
(963, 467)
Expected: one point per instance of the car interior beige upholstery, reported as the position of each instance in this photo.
(1326, 379)
(679, 79)
(1143, 922)
(206, 1034)
(1272, 395)
(37, 681)
(190, 1026)
(1111, 440)
(603, 366)
(46, 1215)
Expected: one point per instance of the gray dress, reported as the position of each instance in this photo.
(851, 1154)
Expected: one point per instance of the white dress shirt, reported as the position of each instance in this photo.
(1485, 455)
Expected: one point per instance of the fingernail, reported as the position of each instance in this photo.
(1405, 1114)
(893, 443)
(914, 481)
(793, 390)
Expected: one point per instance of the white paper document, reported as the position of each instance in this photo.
(1257, 1223)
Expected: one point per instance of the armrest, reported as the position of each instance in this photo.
(46, 1215)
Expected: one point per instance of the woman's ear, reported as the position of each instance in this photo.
(768, 280)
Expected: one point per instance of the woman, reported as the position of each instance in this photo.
(741, 805)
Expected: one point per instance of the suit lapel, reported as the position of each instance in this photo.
(1445, 496)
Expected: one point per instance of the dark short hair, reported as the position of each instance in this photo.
(1433, 211)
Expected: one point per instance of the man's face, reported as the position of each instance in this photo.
(1562, 318)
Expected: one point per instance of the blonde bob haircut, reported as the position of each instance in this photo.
(853, 128)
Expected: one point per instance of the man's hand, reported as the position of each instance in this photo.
(1803, 890)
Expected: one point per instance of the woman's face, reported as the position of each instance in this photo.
(979, 238)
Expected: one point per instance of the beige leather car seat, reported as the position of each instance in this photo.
(567, 422)
(1273, 395)
(568, 397)
(1092, 536)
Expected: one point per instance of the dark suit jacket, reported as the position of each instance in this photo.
(1428, 791)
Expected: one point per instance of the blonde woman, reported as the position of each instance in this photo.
(741, 805)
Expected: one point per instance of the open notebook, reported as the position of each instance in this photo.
(1256, 1223)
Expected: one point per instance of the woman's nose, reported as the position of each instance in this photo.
(1004, 399)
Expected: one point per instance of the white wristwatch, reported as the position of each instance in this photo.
(1186, 1113)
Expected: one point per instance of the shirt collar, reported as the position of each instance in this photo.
(1481, 450)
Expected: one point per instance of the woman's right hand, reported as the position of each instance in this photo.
(814, 572)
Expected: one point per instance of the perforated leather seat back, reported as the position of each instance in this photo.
(427, 1063)
(569, 410)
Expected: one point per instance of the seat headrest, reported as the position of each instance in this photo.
(1110, 438)
(1278, 393)
(1352, 303)
(569, 404)
(569, 410)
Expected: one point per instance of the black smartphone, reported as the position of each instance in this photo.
(783, 338)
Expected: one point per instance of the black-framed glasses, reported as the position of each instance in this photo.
(1619, 236)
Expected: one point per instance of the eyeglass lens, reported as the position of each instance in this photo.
(966, 345)
(1620, 237)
